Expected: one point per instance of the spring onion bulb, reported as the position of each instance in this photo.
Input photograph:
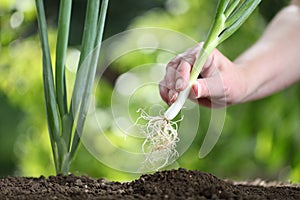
(160, 131)
(176, 107)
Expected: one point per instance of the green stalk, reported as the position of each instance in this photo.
(61, 121)
(60, 76)
(231, 8)
(90, 30)
(53, 118)
(61, 51)
(88, 41)
(87, 46)
(236, 25)
(91, 77)
(228, 19)
(226, 22)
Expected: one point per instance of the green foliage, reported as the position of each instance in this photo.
(259, 139)
(230, 15)
(61, 121)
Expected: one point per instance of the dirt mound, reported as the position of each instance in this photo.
(172, 184)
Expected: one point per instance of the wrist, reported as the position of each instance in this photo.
(244, 85)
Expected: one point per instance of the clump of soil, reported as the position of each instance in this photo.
(172, 184)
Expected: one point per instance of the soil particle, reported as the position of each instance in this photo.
(171, 184)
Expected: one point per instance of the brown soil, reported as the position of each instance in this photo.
(173, 184)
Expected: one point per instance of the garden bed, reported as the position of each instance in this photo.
(172, 184)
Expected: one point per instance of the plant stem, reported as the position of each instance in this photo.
(231, 8)
(61, 121)
(91, 77)
(87, 46)
(88, 41)
(61, 50)
(49, 91)
(244, 11)
(90, 30)
(60, 76)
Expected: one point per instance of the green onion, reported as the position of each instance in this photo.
(65, 125)
(229, 17)
(160, 131)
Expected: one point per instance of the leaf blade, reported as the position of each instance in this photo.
(61, 51)
(48, 83)
(91, 77)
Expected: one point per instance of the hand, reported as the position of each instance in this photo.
(222, 82)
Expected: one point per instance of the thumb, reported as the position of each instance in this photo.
(199, 89)
(211, 87)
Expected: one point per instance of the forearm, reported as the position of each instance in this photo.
(273, 63)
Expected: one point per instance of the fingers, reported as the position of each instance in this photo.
(164, 92)
(209, 90)
(170, 77)
(182, 76)
(175, 80)
(178, 74)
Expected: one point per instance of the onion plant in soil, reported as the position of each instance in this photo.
(66, 121)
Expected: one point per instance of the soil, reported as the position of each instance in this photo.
(172, 184)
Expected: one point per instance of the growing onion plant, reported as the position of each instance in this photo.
(161, 131)
(66, 120)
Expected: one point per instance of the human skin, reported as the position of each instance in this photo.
(270, 65)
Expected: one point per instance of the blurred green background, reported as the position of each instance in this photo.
(260, 139)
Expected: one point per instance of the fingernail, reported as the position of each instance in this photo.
(195, 91)
(179, 84)
(172, 96)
